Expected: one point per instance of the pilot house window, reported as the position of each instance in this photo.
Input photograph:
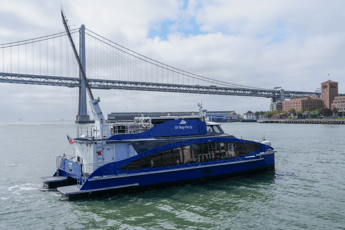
(214, 129)
(193, 154)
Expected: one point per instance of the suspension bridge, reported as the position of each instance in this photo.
(49, 61)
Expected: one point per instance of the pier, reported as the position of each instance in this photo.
(304, 121)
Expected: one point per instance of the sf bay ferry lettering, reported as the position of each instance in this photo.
(183, 127)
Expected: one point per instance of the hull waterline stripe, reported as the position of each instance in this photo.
(97, 190)
(173, 170)
(265, 154)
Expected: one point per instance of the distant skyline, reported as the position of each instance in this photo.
(293, 44)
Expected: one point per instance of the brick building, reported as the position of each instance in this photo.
(339, 103)
(329, 90)
(301, 103)
(329, 99)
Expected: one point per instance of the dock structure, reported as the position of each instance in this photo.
(304, 121)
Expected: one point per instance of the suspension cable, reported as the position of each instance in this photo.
(33, 40)
(167, 67)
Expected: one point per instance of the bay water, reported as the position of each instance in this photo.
(306, 191)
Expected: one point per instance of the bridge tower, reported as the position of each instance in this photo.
(82, 116)
(276, 102)
(282, 95)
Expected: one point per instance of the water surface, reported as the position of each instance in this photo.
(307, 190)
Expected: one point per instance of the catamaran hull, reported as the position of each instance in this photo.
(109, 186)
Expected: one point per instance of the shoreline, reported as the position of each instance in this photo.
(304, 121)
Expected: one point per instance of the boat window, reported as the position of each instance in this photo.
(192, 154)
(214, 129)
(222, 146)
(217, 129)
(210, 129)
(220, 129)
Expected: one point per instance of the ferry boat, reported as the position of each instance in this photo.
(171, 151)
(174, 151)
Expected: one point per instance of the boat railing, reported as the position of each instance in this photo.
(90, 130)
(59, 160)
(68, 164)
(128, 127)
(84, 130)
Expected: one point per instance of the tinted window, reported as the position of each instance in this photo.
(193, 154)
(209, 129)
(214, 129)
(217, 129)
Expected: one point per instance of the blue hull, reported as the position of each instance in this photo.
(161, 160)
(142, 181)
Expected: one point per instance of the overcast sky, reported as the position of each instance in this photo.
(292, 44)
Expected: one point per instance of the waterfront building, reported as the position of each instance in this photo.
(249, 117)
(231, 116)
(216, 117)
(339, 103)
(260, 116)
(311, 102)
(329, 92)
(276, 106)
(222, 116)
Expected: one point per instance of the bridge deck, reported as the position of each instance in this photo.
(149, 86)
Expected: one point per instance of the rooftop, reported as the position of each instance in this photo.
(329, 81)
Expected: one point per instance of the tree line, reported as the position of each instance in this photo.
(316, 113)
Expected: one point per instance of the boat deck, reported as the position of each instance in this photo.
(53, 178)
(52, 182)
(73, 192)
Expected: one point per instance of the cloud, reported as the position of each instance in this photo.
(292, 44)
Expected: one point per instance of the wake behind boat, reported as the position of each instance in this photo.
(167, 151)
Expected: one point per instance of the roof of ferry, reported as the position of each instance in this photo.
(212, 123)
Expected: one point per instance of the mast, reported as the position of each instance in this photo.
(100, 122)
(81, 69)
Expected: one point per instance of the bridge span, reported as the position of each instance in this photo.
(105, 84)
